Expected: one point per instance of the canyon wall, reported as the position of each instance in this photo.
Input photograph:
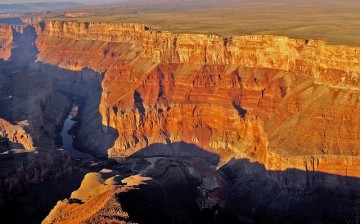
(5, 42)
(35, 99)
(29, 168)
(283, 102)
(38, 95)
(17, 43)
(14, 136)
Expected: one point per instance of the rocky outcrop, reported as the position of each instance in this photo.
(15, 135)
(286, 103)
(191, 189)
(5, 42)
(155, 189)
(96, 195)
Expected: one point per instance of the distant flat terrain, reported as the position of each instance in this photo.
(335, 21)
(26, 7)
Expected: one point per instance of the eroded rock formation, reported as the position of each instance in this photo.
(151, 190)
(34, 102)
(190, 189)
(15, 134)
(6, 39)
(291, 105)
(286, 103)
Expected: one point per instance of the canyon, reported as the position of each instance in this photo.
(238, 96)
(255, 128)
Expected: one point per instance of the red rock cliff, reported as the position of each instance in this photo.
(6, 40)
(286, 103)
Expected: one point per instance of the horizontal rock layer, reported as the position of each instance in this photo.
(283, 102)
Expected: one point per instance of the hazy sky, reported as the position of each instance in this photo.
(82, 1)
(28, 1)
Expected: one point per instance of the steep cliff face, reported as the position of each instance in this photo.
(34, 101)
(31, 108)
(286, 103)
(14, 136)
(38, 94)
(5, 42)
(17, 43)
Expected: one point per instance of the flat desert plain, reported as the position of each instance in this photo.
(335, 21)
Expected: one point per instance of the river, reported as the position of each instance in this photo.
(68, 139)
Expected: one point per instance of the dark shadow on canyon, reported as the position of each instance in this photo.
(173, 195)
(177, 149)
(253, 194)
(290, 196)
(41, 94)
(53, 87)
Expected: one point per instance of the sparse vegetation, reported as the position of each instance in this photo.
(335, 21)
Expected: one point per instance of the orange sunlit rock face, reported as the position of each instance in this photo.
(283, 102)
(6, 39)
(16, 134)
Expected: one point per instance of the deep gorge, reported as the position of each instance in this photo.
(244, 111)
